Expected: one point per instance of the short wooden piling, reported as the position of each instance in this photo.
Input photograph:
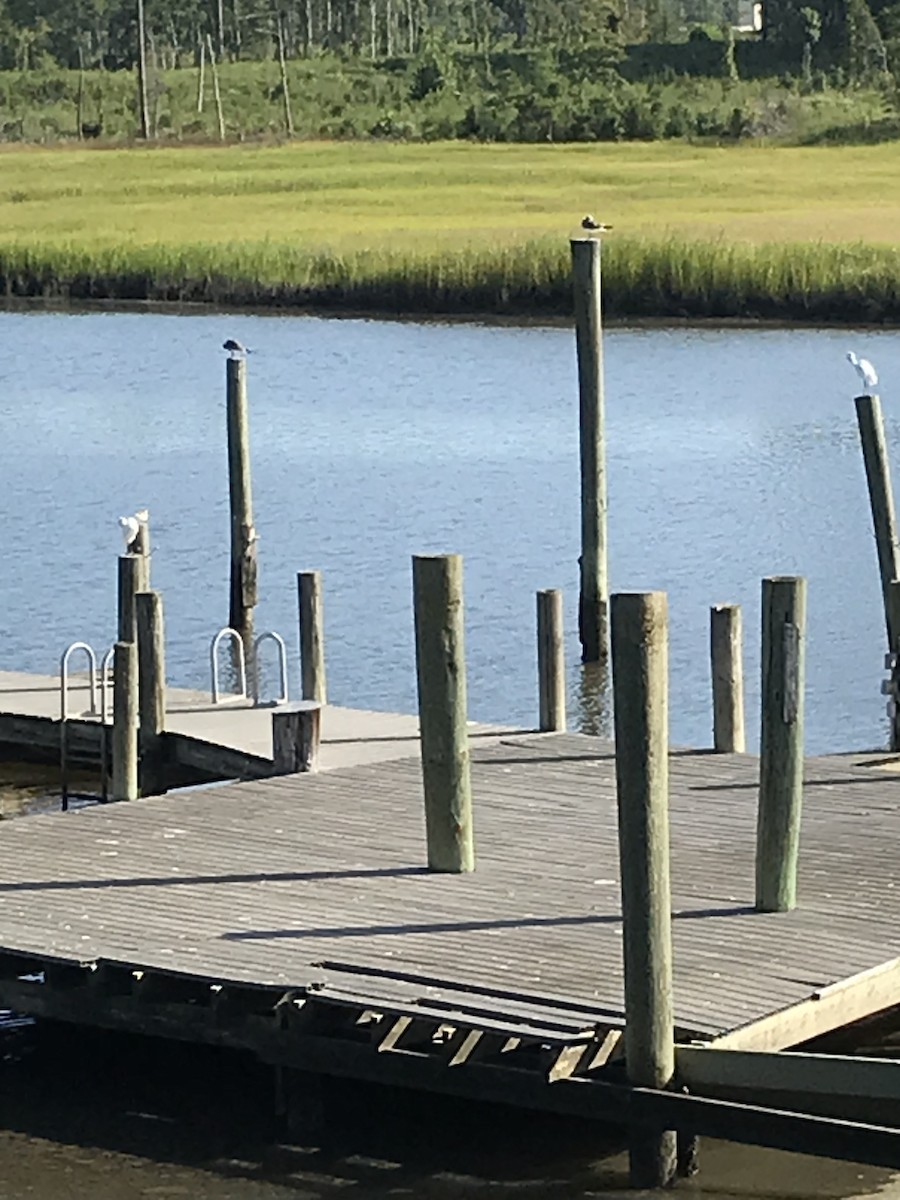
(441, 675)
(133, 578)
(781, 743)
(593, 605)
(125, 722)
(243, 533)
(151, 691)
(312, 635)
(551, 661)
(881, 499)
(640, 700)
(727, 669)
(296, 736)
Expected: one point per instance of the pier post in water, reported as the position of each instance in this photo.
(441, 676)
(132, 578)
(640, 702)
(727, 669)
(125, 722)
(243, 534)
(312, 635)
(781, 743)
(551, 661)
(593, 603)
(151, 691)
(893, 663)
(881, 498)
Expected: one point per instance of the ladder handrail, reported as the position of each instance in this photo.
(227, 631)
(105, 664)
(64, 677)
(271, 635)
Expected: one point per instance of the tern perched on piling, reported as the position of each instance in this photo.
(235, 348)
(864, 370)
(593, 226)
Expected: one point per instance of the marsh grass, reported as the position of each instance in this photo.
(642, 278)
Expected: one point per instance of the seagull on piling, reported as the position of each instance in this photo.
(589, 223)
(864, 370)
(234, 348)
(130, 527)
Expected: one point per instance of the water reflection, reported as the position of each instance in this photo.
(593, 700)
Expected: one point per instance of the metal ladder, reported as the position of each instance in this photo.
(64, 710)
(238, 644)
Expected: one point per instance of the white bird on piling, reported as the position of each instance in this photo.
(589, 223)
(130, 527)
(235, 348)
(864, 370)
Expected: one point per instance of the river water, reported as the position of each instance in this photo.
(732, 455)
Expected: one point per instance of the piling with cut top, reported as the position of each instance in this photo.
(133, 578)
(441, 675)
(312, 635)
(593, 605)
(243, 534)
(781, 743)
(296, 737)
(551, 661)
(881, 499)
(640, 704)
(151, 691)
(125, 722)
(727, 669)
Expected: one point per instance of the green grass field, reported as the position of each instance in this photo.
(746, 230)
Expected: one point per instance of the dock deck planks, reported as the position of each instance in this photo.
(319, 879)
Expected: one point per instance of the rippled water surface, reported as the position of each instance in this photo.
(732, 454)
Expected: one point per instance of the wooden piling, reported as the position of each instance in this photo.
(296, 736)
(640, 706)
(243, 534)
(133, 578)
(881, 499)
(441, 675)
(593, 606)
(125, 722)
(551, 661)
(894, 662)
(727, 669)
(781, 743)
(312, 635)
(151, 691)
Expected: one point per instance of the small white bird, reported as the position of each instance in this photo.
(130, 527)
(864, 370)
(588, 222)
(235, 348)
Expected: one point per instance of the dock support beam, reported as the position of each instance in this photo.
(781, 743)
(151, 691)
(441, 676)
(125, 722)
(593, 604)
(312, 635)
(551, 661)
(881, 498)
(243, 533)
(640, 700)
(727, 668)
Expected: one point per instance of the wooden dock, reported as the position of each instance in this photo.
(232, 739)
(294, 917)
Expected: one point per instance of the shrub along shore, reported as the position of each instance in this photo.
(699, 232)
(815, 283)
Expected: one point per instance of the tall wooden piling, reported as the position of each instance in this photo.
(593, 605)
(881, 499)
(551, 661)
(243, 534)
(640, 700)
(125, 722)
(781, 743)
(133, 578)
(151, 691)
(893, 660)
(727, 670)
(312, 635)
(441, 675)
